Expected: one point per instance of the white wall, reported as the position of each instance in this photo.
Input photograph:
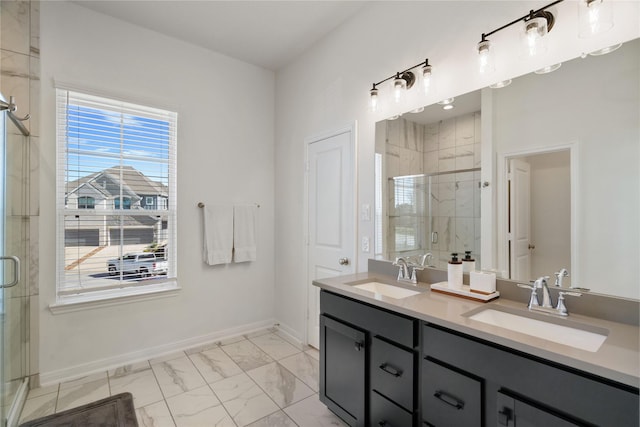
(225, 155)
(328, 87)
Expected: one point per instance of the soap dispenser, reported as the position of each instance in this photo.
(454, 272)
(468, 263)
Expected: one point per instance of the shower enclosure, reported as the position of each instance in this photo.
(14, 295)
(438, 213)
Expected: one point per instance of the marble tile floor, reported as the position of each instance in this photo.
(257, 380)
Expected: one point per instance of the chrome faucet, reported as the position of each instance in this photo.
(559, 276)
(541, 283)
(547, 303)
(403, 271)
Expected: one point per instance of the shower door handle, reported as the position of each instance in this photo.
(16, 271)
(434, 237)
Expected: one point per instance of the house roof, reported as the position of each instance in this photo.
(108, 182)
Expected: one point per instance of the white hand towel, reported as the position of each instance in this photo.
(218, 234)
(244, 233)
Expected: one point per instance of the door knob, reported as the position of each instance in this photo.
(343, 261)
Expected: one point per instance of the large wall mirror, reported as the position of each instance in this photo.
(530, 178)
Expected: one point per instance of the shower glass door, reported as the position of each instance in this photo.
(14, 296)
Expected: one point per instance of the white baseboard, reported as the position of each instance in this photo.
(289, 334)
(101, 365)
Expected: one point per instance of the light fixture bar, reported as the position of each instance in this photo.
(523, 18)
(393, 76)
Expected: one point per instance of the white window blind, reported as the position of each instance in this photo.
(116, 197)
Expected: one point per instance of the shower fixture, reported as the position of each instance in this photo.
(11, 108)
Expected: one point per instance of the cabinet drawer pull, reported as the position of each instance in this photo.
(384, 424)
(359, 345)
(448, 399)
(391, 370)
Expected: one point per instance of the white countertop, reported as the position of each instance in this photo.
(618, 358)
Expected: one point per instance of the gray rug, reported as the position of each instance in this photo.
(114, 411)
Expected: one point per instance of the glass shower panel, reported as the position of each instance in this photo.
(14, 306)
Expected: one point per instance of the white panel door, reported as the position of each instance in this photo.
(331, 236)
(520, 219)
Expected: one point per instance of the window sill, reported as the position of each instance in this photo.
(69, 304)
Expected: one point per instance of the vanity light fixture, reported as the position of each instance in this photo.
(595, 17)
(485, 56)
(402, 81)
(426, 76)
(548, 69)
(373, 99)
(537, 23)
(536, 26)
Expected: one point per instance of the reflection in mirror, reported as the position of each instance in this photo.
(578, 131)
(429, 177)
(539, 214)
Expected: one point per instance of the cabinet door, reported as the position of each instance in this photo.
(513, 412)
(342, 370)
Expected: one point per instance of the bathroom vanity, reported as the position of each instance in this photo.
(422, 360)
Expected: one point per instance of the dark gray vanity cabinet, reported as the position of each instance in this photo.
(343, 370)
(368, 363)
(515, 389)
(514, 412)
(450, 397)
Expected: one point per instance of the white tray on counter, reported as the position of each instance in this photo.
(465, 292)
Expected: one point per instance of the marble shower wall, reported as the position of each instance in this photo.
(450, 146)
(20, 78)
(450, 205)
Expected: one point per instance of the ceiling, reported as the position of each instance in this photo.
(269, 34)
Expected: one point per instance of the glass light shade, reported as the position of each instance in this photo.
(399, 87)
(500, 85)
(605, 50)
(548, 69)
(485, 57)
(373, 100)
(595, 17)
(426, 78)
(533, 36)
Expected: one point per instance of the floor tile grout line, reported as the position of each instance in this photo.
(222, 404)
(164, 398)
(300, 352)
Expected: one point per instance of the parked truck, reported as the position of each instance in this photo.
(144, 264)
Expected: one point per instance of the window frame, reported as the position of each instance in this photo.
(93, 296)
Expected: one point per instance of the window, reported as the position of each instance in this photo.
(126, 203)
(85, 202)
(408, 212)
(110, 244)
(149, 202)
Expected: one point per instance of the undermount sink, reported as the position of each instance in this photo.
(561, 331)
(382, 289)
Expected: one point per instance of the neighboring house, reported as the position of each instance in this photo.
(116, 188)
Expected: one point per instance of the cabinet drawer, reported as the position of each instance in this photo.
(376, 320)
(386, 414)
(392, 372)
(450, 398)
